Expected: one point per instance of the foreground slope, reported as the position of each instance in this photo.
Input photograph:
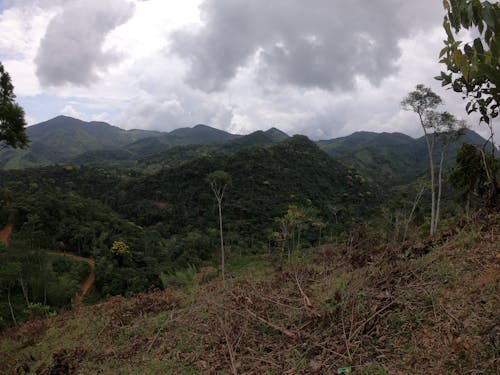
(426, 307)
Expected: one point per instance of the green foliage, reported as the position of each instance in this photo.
(38, 310)
(473, 67)
(120, 248)
(470, 176)
(12, 122)
(183, 277)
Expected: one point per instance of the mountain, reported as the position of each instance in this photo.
(265, 180)
(385, 157)
(197, 135)
(62, 138)
(391, 157)
(68, 140)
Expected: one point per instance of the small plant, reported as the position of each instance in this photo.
(38, 310)
(179, 278)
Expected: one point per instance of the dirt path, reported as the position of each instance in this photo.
(87, 284)
(7, 230)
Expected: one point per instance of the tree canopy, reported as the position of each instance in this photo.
(12, 120)
(473, 68)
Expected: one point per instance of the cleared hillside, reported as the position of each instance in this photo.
(371, 308)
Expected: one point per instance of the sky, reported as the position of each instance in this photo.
(323, 68)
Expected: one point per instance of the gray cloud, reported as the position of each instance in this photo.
(319, 44)
(72, 49)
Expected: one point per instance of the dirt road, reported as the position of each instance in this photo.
(87, 284)
(7, 230)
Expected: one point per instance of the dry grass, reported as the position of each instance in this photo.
(428, 308)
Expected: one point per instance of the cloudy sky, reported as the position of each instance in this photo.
(324, 68)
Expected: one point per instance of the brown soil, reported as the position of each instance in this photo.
(87, 284)
(7, 230)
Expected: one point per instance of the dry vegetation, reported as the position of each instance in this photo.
(418, 308)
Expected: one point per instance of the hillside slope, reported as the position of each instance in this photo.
(391, 157)
(419, 308)
(261, 189)
(62, 138)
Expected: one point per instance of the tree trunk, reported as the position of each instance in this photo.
(440, 187)
(10, 307)
(430, 149)
(25, 292)
(221, 239)
(467, 205)
(415, 203)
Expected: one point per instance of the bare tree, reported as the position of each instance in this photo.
(218, 181)
(439, 127)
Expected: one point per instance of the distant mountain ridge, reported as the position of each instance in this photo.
(62, 138)
(65, 139)
(391, 157)
(68, 140)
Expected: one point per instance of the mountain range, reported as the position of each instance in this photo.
(68, 140)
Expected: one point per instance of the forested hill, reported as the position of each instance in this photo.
(62, 138)
(265, 181)
(392, 157)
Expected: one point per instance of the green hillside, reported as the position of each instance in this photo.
(62, 138)
(391, 158)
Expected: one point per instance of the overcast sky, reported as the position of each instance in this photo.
(324, 68)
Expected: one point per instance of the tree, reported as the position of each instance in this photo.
(12, 122)
(447, 129)
(218, 181)
(474, 67)
(438, 127)
(470, 176)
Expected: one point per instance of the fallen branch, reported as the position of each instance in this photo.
(307, 301)
(361, 326)
(229, 346)
(284, 331)
(159, 331)
(346, 340)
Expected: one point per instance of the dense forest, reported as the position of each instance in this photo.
(286, 194)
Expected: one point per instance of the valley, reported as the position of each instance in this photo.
(330, 219)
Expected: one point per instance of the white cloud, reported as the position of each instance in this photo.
(146, 87)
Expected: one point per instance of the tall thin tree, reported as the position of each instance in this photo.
(219, 181)
(438, 127)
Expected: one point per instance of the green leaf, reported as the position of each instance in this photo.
(464, 67)
(344, 370)
(488, 17)
(478, 45)
(447, 28)
(443, 51)
(469, 51)
(457, 55)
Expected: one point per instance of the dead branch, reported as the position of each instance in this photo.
(159, 331)
(307, 301)
(346, 340)
(284, 331)
(363, 323)
(229, 346)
